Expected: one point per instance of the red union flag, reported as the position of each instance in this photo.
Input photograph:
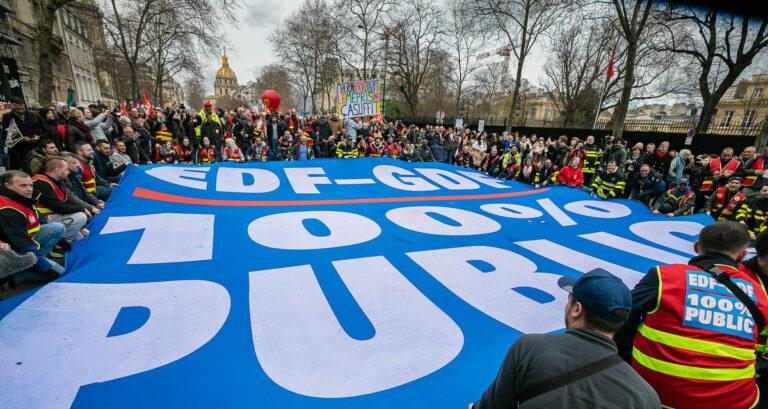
(147, 104)
(610, 67)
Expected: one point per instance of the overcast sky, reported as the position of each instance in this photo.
(248, 46)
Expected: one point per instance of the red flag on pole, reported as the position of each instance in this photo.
(123, 110)
(610, 67)
(147, 104)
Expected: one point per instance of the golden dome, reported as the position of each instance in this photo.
(225, 72)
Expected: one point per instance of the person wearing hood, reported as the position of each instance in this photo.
(678, 201)
(77, 130)
(23, 229)
(62, 113)
(754, 213)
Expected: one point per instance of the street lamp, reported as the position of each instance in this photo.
(385, 34)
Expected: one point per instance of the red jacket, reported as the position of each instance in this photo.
(570, 176)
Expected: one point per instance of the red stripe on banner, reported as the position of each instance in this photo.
(165, 197)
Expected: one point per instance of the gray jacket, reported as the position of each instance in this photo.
(537, 358)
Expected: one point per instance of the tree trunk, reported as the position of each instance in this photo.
(134, 82)
(620, 114)
(710, 104)
(516, 94)
(46, 53)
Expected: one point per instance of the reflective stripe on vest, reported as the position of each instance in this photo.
(694, 372)
(89, 181)
(716, 166)
(750, 180)
(56, 190)
(30, 215)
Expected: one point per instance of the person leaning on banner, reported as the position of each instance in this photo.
(579, 368)
(691, 332)
(647, 185)
(758, 265)
(677, 201)
(754, 213)
(571, 175)
(609, 183)
(23, 229)
(725, 202)
(55, 205)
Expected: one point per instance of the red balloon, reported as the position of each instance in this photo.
(271, 100)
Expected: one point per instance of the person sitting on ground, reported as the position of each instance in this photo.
(120, 155)
(754, 213)
(103, 165)
(571, 175)
(678, 201)
(35, 157)
(301, 150)
(726, 201)
(259, 151)
(94, 183)
(23, 229)
(609, 183)
(647, 185)
(579, 368)
(12, 263)
(345, 150)
(231, 151)
(75, 182)
(55, 205)
(185, 151)
(527, 173)
(207, 152)
(547, 173)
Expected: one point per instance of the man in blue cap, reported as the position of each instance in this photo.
(677, 201)
(579, 368)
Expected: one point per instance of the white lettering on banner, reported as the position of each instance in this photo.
(287, 231)
(418, 219)
(484, 179)
(301, 346)
(512, 211)
(556, 213)
(633, 247)
(305, 180)
(167, 237)
(598, 209)
(448, 179)
(180, 175)
(579, 261)
(493, 292)
(660, 232)
(56, 341)
(399, 178)
(232, 180)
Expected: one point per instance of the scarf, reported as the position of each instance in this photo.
(660, 154)
(81, 126)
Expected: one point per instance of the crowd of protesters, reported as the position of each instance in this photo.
(65, 161)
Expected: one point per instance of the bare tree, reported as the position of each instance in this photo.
(359, 25)
(415, 40)
(276, 77)
(195, 91)
(709, 37)
(464, 42)
(632, 22)
(45, 10)
(575, 70)
(521, 24)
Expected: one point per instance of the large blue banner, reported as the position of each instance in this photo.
(367, 283)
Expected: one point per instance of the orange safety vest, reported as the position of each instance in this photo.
(56, 189)
(682, 199)
(207, 155)
(375, 152)
(729, 208)
(233, 155)
(185, 156)
(716, 166)
(30, 215)
(750, 180)
(394, 150)
(89, 181)
(697, 347)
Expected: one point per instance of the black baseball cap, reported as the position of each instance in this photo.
(600, 292)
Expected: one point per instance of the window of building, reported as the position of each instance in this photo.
(749, 116)
(757, 93)
(726, 121)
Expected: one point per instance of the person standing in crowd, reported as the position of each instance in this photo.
(677, 167)
(76, 131)
(609, 183)
(753, 167)
(720, 170)
(36, 157)
(647, 185)
(577, 369)
(31, 127)
(754, 213)
(571, 175)
(660, 160)
(616, 153)
(726, 201)
(52, 130)
(672, 339)
(678, 201)
(98, 125)
(55, 205)
(591, 161)
(22, 228)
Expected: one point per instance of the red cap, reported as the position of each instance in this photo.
(207, 104)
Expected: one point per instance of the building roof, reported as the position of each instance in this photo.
(225, 72)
